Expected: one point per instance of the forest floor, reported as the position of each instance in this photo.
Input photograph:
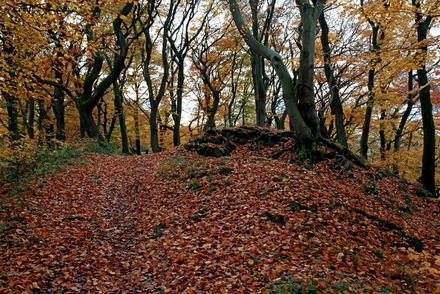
(178, 222)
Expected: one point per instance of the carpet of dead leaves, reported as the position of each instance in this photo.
(177, 222)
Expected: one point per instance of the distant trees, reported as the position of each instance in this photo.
(363, 73)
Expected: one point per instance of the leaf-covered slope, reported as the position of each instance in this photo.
(177, 222)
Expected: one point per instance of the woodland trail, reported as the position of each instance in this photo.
(175, 222)
(83, 229)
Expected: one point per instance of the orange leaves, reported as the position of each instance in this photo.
(90, 228)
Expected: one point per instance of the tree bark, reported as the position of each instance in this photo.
(177, 111)
(306, 73)
(367, 121)
(428, 160)
(303, 132)
(119, 109)
(11, 100)
(92, 95)
(13, 129)
(156, 99)
(403, 120)
(31, 118)
(257, 64)
(371, 92)
(88, 123)
(58, 109)
(335, 104)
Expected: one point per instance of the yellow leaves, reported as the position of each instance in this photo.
(437, 260)
(425, 259)
(414, 255)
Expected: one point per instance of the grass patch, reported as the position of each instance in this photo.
(371, 189)
(3, 278)
(174, 167)
(409, 209)
(224, 170)
(423, 193)
(332, 205)
(199, 214)
(194, 185)
(291, 285)
(379, 254)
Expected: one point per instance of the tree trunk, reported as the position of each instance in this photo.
(281, 121)
(156, 99)
(93, 90)
(154, 133)
(31, 118)
(257, 64)
(306, 73)
(335, 104)
(177, 109)
(120, 112)
(58, 109)
(210, 122)
(259, 88)
(382, 135)
(13, 129)
(137, 132)
(366, 126)
(259, 77)
(88, 123)
(403, 120)
(428, 160)
(302, 130)
(375, 26)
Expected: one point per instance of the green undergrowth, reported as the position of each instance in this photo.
(194, 171)
(185, 168)
(25, 160)
(289, 284)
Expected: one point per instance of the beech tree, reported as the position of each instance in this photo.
(180, 39)
(377, 37)
(335, 99)
(90, 97)
(211, 63)
(260, 79)
(422, 24)
(156, 37)
(16, 44)
(299, 99)
(93, 86)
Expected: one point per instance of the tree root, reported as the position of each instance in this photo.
(222, 142)
(417, 243)
(343, 151)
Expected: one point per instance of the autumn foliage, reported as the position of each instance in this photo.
(179, 222)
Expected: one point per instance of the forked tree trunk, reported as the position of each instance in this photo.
(306, 73)
(306, 134)
(88, 123)
(335, 104)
